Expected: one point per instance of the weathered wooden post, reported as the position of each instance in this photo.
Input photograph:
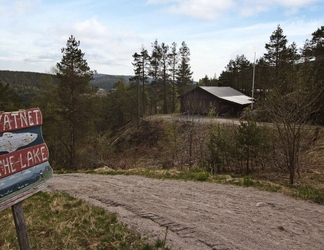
(24, 166)
(21, 229)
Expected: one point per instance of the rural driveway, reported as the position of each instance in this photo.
(201, 215)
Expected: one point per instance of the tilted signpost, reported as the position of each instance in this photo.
(24, 166)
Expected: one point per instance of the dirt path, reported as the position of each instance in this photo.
(202, 215)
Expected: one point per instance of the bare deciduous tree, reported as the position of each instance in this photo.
(290, 115)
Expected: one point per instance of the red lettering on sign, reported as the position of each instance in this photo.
(10, 121)
(23, 159)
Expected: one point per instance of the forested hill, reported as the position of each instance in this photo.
(106, 82)
(24, 82)
(21, 80)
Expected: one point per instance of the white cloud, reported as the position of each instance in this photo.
(206, 9)
(211, 9)
(160, 1)
(202, 9)
(18, 8)
(210, 55)
(215, 31)
(91, 29)
(23, 7)
(251, 8)
(294, 3)
(286, 3)
(106, 49)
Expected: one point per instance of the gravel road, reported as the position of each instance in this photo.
(201, 215)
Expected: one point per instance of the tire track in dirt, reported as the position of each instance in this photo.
(201, 215)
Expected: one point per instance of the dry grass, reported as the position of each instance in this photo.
(58, 221)
(156, 161)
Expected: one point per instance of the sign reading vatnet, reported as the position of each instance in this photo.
(24, 166)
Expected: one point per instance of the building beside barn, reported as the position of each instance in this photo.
(223, 100)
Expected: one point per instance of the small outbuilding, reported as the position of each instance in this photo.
(222, 100)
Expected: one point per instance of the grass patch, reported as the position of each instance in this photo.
(309, 193)
(59, 221)
(198, 174)
(249, 181)
(194, 174)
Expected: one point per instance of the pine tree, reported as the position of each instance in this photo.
(276, 55)
(262, 75)
(238, 74)
(165, 76)
(120, 104)
(141, 63)
(155, 70)
(9, 99)
(226, 78)
(232, 78)
(74, 76)
(317, 44)
(173, 69)
(184, 73)
(136, 79)
(245, 74)
(313, 57)
(204, 81)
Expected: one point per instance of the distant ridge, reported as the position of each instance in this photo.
(107, 82)
(33, 79)
(27, 84)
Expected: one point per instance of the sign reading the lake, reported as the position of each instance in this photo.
(24, 166)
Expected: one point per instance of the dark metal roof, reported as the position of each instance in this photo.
(228, 94)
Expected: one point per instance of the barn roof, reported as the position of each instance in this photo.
(228, 94)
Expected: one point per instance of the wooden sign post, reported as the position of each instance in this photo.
(21, 229)
(24, 166)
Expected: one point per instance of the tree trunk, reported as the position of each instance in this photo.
(165, 104)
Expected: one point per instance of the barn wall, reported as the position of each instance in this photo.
(198, 101)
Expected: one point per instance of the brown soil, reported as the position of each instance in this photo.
(201, 215)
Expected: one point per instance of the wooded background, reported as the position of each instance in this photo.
(86, 128)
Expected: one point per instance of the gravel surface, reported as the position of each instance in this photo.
(201, 215)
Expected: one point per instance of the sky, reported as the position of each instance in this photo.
(33, 32)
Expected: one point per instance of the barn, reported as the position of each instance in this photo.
(223, 100)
